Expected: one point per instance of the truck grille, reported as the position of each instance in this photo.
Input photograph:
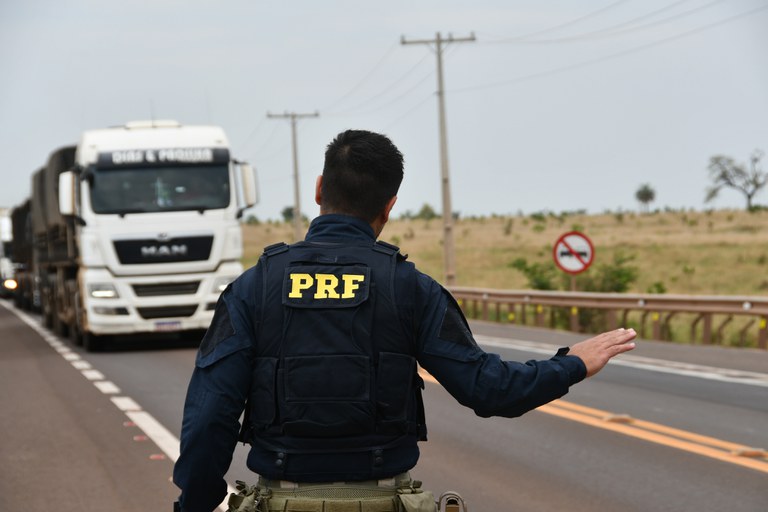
(158, 290)
(189, 248)
(167, 311)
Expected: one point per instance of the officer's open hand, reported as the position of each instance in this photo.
(596, 352)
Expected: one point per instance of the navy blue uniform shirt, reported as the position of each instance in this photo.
(446, 349)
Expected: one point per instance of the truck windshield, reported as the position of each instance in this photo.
(157, 189)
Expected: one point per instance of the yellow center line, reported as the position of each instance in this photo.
(647, 425)
(706, 446)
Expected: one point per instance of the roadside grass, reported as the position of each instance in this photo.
(722, 252)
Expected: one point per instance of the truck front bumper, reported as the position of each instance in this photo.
(152, 304)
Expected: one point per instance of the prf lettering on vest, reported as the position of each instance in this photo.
(326, 285)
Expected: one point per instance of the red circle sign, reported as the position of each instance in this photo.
(573, 252)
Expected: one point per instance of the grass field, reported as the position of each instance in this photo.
(720, 252)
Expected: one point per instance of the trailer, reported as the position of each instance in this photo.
(135, 230)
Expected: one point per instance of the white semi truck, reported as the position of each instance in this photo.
(136, 230)
(7, 275)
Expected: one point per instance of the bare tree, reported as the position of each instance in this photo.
(645, 195)
(725, 173)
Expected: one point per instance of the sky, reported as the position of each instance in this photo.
(556, 106)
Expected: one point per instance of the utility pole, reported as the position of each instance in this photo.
(298, 229)
(448, 250)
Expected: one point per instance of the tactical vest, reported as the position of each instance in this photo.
(335, 369)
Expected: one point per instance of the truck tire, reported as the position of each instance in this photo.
(91, 342)
(59, 326)
(75, 334)
(47, 311)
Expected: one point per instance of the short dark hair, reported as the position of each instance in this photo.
(362, 172)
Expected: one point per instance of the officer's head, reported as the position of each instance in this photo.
(362, 173)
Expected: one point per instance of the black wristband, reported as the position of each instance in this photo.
(563, 351)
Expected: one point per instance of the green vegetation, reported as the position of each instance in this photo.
(671, 251)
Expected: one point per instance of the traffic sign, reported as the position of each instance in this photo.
(573, 252)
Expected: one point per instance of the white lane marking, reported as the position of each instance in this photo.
(71, 356)
(81, 364)
(93, 375)
(125, 403)
(152, 428)
(160, 435)
(107, 387)
(643, 363)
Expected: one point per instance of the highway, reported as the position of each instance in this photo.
(665, 427)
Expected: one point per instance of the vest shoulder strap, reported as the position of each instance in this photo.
(277, 248)
(389, 249)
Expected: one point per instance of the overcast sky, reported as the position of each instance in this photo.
(557, 105)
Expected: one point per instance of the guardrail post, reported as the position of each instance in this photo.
(642, 323)
(574, 319)
(511, 316)
(743, 333)
(610, 319)
(539, 315)
(762, 335)
(706, 335)
(693, 328)
(485, 307)
(719, 337)
(655, 317)
(666, 329)
(524, 313)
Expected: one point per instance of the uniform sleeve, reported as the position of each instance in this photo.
(477, 379)
(216, 399)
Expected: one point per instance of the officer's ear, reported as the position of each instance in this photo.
(388, 208)
(319, 190)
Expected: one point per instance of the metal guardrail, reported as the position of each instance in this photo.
(519, 304)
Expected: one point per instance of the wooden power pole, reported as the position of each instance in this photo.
(448, 248)
(298, 229)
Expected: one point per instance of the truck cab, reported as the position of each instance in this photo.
(153, 209)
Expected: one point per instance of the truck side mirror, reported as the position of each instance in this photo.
(67, 193)
(248, 182)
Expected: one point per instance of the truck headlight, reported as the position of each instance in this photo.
(220, 284)
(103, 291)
(10, 284)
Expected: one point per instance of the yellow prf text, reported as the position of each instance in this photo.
(327, 286)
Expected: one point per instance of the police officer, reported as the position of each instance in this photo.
(319, 345)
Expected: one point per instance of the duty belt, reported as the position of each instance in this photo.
(396, 494)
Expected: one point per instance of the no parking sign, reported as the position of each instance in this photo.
(573, 252)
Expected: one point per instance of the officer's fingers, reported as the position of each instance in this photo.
(617, 337)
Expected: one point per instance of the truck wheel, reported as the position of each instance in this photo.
(91, 342)
(75, 335)
(60, 327)
(47, 316)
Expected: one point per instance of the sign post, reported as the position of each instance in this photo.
(573, 253)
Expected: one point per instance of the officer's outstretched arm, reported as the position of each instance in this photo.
(596, 352)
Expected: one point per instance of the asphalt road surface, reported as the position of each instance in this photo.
(665, 427)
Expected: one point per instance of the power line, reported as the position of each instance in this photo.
(267, 140)
(381, 93)
(563, 25)
(616, 31)
(252, 133)
(364, 79)
(408, 112)
(598, 60)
